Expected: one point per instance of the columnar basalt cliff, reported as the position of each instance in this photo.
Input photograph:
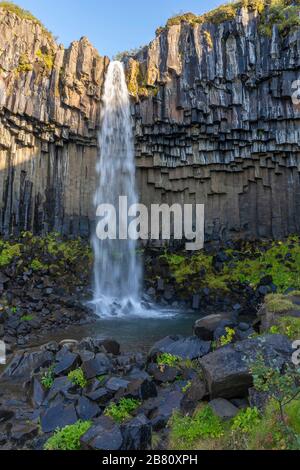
(49, 117)
(214, 124)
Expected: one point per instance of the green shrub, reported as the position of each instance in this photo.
(68, 438)
(77, 377)
(288, 326)
(46, 59)
(185, 431)
(36, 265)
(27, 317)
(8, 252)
(246, 420)
(121, 411)
(24, 64)
(48, 378)
(166, 359)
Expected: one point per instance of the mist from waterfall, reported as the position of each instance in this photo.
(117, 271)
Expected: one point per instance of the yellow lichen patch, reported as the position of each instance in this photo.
(208, 39)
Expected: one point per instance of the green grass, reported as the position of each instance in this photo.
(48, 378)
(121, 411)
(186, 431)
(247, 266)
(288, 326)
(8, 252)
(68, 438)
(77, 377)
(278, 303)
(280, 12)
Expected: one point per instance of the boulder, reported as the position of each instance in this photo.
(87, 409)
(68, 362)
(180, 346)
(98, 366)
(137, 434)
(58, 416)
(163, 374)
(223, 408)
(114, 384)
(104, 435)
(226, 370)
(165, 404)
(204, 327)
(141, 389)
(24, 364)
(195, 393)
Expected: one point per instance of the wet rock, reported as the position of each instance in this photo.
(141, 389)
(115, 384)
(205, 327)
(104, 435)
(168, 402)
(37, 392)
(110, 346)
(185, 348)
(195, 393)
(58, 416)
(68, 362)
(196, 302)
(163, 374)
(137, 434)
(223, 408)
(21, 432)
(61, 385)
(87, 409)
(98, 366)
(226, 370)
(100, 395)
(26, 363)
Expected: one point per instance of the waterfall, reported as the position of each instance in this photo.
(117, 272)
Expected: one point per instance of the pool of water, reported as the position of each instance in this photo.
(133, 334)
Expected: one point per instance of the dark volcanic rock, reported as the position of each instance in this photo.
(226, 370)
(98, 366)
(87, 409)
(185, 348)
(205, 327)
(68, 362)
(137, 434)
(104, 435)
(223, 408)
(26, 363)
(58, 416)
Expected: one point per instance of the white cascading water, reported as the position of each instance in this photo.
(117, 272)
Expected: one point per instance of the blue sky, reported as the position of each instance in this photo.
(111, 25)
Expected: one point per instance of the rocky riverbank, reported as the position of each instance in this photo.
(90, 395)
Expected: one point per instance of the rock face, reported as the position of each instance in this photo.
(49, 113)
(214, 124)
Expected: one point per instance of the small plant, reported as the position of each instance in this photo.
(288, 326)
(27, 318)
(122, 410)
(186, 430)
(77, 377)
(186, 387)
(68, 438)
(166, 359)
(36, 265)
(48, 378)
(281, 385)
(246, 420)
(278, 303)
(228, 338)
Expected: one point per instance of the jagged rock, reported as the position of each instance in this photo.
(185, 348)
(137, 434)
(204, 327)
(104, 435)
(163, 374)
(98, 366)
(195, 393)
(58, 416)
(25, 363)
(68, 362)
(87, 409)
